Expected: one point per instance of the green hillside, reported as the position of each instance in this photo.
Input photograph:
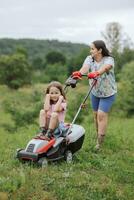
(39, 48)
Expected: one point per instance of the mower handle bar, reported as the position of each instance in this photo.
(83, 74)
(72, 82)
(80, 107)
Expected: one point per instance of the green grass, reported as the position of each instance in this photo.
(107, 175)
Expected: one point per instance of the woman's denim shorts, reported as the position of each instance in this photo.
(102, 103)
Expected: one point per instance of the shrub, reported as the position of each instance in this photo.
(125, 101)
(15, 70)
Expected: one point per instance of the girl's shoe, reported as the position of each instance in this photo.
(49, 134)
(42, 132)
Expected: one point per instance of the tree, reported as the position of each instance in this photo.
(76, 62)
(126, 90)
(55, 72)
(112, 35)
(115, 38)
(38, 63)
(21, 50)
(15, 70)
(121, 58)
(55, 57)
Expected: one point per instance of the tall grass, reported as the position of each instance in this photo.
(107, 175)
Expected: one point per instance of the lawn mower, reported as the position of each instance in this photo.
(41, 150)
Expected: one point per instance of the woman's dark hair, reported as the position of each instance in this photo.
(100, 44)
(57, 85)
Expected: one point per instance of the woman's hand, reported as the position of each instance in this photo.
(76, 75)
(93, 75)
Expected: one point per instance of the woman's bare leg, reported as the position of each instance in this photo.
(96, 122)
(102, 119)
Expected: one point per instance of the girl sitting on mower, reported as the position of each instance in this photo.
(51, 118)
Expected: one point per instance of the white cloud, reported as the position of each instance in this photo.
(71, 20)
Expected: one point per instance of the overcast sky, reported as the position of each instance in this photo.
(66, 20)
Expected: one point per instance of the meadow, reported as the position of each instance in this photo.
(106, 175)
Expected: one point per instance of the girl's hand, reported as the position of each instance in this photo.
(61, 98)
(47, 102)
(47, 96)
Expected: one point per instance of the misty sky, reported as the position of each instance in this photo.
(66, 20)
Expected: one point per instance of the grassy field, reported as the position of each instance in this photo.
(107, 175)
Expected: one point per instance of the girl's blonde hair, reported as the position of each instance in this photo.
(58, 85)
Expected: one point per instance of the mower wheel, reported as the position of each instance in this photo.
(43, 162)
(68, 156)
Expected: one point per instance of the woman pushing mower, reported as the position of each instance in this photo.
(101, 65)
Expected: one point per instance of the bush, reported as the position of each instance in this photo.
(55, 72)
(15, 70)
(23, 112)
(55, 57)
(125, 101)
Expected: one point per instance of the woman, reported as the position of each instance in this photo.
(101, 65)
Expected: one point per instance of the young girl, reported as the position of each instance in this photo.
(51, 118)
